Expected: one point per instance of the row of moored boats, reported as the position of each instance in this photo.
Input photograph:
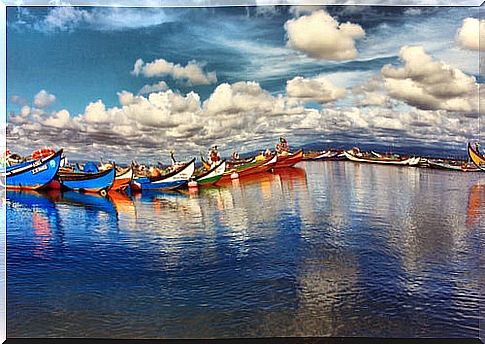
(47, 168)
(476, 162)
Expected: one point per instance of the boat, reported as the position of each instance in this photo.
(289, 160)
(122, 179)
(91, 182)
(475, 156)
(33, 174)
(174, 179)
(461, 166)
(250, 168)
(327, 155)
(212, 176)
(372, 157)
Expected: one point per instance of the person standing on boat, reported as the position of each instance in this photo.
(282, 147)
(172, 157)
(477, 146)
(213, 156)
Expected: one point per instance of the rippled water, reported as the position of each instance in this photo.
(327, 249)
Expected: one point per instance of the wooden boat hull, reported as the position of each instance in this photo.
(213, 175)
(250, 169)
(289, 160)
(476, 157)
(99, 182)
(326, 156)
(34, 174)
(376, 160)
(172, 180)
(445, 166)
(122, 180)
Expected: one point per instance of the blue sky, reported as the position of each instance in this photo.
(238, 77)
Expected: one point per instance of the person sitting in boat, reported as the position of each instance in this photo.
(267, 153)
(356, 151)
(235, 156)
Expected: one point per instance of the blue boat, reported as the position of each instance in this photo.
(99, 182)
(33, 174)
(170, 181)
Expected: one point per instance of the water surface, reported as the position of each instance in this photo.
(325, 249)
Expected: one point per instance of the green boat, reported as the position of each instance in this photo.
(213, 175)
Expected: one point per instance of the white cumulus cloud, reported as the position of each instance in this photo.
(192, 73)
(371, 93)
(44, 99)
(471, 34)
(429, 84)
(159, 86)
(319, 90)
(320, 36)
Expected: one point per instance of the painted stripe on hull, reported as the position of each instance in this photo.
(159, 186)
(210, 180)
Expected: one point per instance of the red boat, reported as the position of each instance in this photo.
(250, 168)
(289, 160)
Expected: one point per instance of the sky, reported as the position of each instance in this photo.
(119, 83)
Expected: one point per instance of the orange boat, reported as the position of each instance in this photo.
(290, 159)
(250, 168)
(123, 179)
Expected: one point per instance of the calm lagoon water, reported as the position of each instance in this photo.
(325, 249)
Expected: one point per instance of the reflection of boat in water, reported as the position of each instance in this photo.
(476, 204)
(91, 202)
(45, 218)
(256, 178)
(30, 199)
(292, 174)
(163, 200)
(123, 203)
